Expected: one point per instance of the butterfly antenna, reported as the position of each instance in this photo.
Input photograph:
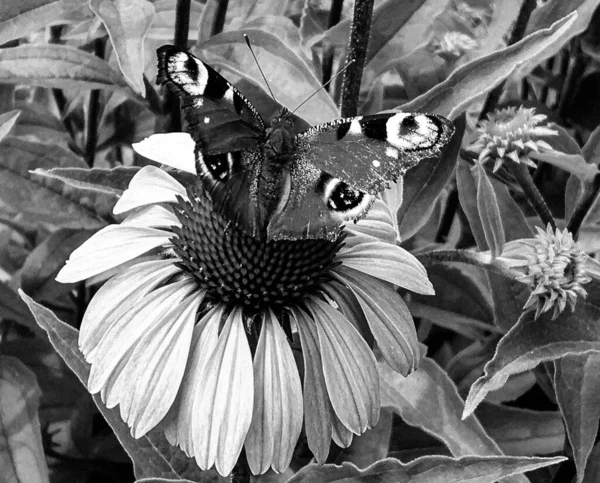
(323, 86)
(258, 65)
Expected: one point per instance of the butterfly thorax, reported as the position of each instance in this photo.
(274, 182)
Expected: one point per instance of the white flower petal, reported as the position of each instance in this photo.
(222, 410)
(389, 319)
(340, 434)
(159, 362)
(116, 296)
(153, 216)
(121, 338)
(175, 149)
(388, 262)
(378, 223)
(111, 246)
(149, 186)
(277, 418)
(349, 368)
(317, 408)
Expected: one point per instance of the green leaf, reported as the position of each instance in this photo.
(523, 432)
(429, 400)
(18, 19)
(532, 341)
(423, 184)
(576, 381)
(592, 471)
(428, 469)
(489, 213)
(572, 163)
(296, 78)
(471, 80)
(127, 23)
(13, 308)
(591, 149)
(36, 201)
(59, 66)
(467, 195)
(151, 454)
(7, 121)
(22, 457)
(46, 260)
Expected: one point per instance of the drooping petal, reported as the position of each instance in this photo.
(340, 434)
(277, 418)
(180, 428)
(110, 247)
(149, 186)
(317, 408)
(116, 296)
(175, 149)
(350, 307)
(120, 340)
(378, 223)
(153, 216)
(223, 408)
(388, 316)
(349, 368)
(390, 263)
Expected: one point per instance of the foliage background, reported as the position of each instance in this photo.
(77, 87)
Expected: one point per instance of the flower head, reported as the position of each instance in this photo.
(453, 45)
(193, 331)
(553, 265)
(511, 134)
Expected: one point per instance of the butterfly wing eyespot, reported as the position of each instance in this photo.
(346, 203)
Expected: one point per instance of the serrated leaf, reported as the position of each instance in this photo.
(423, 184)
(59, 66)
(7, 121)
(151, 454)
(576, 381)
(523, 432)
(19, 191)
(22, 457)
(428, 469)
(18, 19)
(127, 23)
(46, 260)
(469, 81)
(295, 78)
(531, 341)
(489, 213)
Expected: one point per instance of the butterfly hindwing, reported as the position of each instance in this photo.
(220, 118)
(370, 152)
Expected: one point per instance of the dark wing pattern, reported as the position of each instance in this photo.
(369, 152)
(220, 118)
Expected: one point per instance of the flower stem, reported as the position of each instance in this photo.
(469, 257)
(357, 52)
(180, 39)
(241, 471)
(219, 21)
(93, 112)
(335, 14)
(521, 174)
(590, 193)
(517, 33)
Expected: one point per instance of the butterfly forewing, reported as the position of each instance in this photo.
(220, 118)
(371, 151)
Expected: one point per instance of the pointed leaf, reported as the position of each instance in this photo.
(532, 341)
(59, 66)
(12, 308)
(576, 381)
(127, 23)
(152, 455)
(467, 194)
(471, 80)
(22, 456)
(7, 121)
(489, 213)
(428, 469)
(572, 163)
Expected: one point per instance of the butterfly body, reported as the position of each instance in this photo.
(277, 184)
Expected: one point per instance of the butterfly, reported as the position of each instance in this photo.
(275, 184)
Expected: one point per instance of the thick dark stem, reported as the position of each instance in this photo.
(590, 193)
(522, 176)
(335, 14)
(517, 34)
(241, 471)
(357, 52)
(93, 111)
(577, 64)
(219, 21)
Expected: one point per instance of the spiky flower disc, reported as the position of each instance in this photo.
(511, 134)
(555, 272)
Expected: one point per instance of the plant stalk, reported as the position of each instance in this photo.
(521, 173)
(590, 194)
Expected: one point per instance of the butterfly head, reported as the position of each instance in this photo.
(280, 136)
